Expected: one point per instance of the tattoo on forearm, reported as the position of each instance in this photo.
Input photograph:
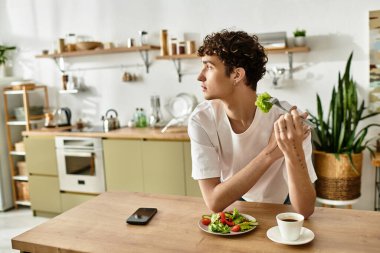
(299, 157)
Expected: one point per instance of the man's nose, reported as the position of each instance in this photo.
(201, 77)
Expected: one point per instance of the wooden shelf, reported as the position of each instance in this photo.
(11, 131)
(268, 50)
(23, 203)
(288, 50)
(99, 51)
(20, 153)
(59, 58)
(178, 56)
(20, 178)
(73, 91)
(23, 123)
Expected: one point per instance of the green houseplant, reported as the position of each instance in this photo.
(299, 33)
(299, 37)
(339, 141)
(3, 58)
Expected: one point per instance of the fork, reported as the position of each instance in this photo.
(285, 106)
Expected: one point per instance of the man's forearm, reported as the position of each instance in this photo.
(224, 194)
(301, 190)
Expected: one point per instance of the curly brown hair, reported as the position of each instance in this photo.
(237, 49)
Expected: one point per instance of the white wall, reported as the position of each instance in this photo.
(334, 29)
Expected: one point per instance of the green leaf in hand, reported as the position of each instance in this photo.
(263, 103)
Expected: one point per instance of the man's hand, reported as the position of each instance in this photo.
(290, 131)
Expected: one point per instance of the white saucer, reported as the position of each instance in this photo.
(306, 236)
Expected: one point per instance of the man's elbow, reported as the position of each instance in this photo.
(215, 205)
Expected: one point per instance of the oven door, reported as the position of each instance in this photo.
(81, 170)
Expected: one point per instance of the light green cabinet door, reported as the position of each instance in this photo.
(163, 164)
(44, 193)
(192, 187)
(40, 155)
(70, 200)
(123, 165)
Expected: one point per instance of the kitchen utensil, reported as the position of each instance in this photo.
(110, 122)
(50, 119)
(63, 116)
(155, 115)
(88, 45)
(285, 106)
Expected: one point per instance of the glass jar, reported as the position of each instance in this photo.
(181, 47)
(173, 46)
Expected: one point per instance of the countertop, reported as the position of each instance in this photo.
(98, 225)
(172, 133)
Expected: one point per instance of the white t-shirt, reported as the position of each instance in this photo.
(217, 151)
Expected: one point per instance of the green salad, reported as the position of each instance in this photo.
(262, 102)
(227, 222)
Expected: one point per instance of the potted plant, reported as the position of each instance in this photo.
(3, 58)
(299, 37)
(339, 141)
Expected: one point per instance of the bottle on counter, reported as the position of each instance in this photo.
(142, 122)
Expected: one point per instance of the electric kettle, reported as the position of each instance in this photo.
(110, 122)
(63, 117)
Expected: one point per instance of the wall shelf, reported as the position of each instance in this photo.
(143, 50)
(288, 50)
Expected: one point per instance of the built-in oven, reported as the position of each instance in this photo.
(80, 164)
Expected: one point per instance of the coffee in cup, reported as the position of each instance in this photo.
(290, 225)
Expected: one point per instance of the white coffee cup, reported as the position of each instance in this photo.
(290, 225)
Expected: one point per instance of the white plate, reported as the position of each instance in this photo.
(306, 236)
(181, 105)
(205, 228)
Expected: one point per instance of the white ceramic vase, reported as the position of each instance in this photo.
(300, 41)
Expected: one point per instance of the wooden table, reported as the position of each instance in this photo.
(99, 226)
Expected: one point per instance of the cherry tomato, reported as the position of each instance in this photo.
(235, 228)
(206, 221)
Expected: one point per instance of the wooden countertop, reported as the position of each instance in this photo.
(376, 160)
(173, 133)
(99, 226)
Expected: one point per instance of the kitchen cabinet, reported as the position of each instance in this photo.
(70, 200)
(43, 175)
(163, 166)
(288, 50)
(149, 166)
(44, 194)
(123, 165)
(18, 117)
(192, 186)
(41, 156)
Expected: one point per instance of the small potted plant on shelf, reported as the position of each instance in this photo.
(4, 59)
(299, 37)
(339, 141)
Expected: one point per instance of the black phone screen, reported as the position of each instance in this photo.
(142, 216)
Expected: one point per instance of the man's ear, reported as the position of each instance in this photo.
(238, 75)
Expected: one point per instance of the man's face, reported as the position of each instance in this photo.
(215, 83)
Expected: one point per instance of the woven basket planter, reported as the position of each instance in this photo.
(337, 180)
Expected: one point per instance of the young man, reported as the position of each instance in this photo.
(237, 150)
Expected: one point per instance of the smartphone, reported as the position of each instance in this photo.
(142, 216)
